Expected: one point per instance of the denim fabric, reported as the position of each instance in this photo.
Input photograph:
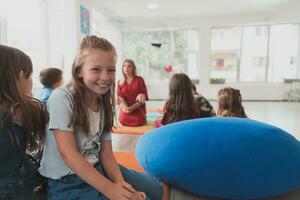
(143, 182)
(12, 186)
(21, 185)
(71, 187)
(11, 154)
(13, 189)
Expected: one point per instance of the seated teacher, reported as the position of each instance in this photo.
(132, 95)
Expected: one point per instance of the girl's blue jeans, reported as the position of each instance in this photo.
(71, 187)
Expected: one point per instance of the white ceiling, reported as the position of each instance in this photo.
(126, 10)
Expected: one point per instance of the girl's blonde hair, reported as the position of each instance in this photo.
(80, 117)
(131, 62)
(230, 103)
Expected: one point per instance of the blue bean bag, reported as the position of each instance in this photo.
(229, 158)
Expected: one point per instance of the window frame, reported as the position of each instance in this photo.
(172, 51)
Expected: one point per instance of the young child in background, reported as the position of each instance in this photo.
(22, 125)
(50, 78)
(206, 108)
(78, 158)
(230, 103)
(180, 104)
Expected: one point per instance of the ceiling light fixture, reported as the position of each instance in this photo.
(152, 5)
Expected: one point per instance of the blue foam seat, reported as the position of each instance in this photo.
(229, 158)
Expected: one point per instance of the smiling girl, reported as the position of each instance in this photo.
(78, 158)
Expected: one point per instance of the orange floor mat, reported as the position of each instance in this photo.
(152, 115)
(128, 160)
(139, 130)
(157, 110)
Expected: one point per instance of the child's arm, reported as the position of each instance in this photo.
(77, 163)
(112, 169)
(109, 162)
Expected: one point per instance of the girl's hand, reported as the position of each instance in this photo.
(141, 98)
(128, 186)
(121, 191)
(136, 195)
(139, 196)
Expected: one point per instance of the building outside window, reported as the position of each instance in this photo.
(225, 47)
(264, 53)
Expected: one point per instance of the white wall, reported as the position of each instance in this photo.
(250, 91)
(63, 31)
(108, 28)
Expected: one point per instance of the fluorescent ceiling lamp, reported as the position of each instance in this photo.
(152, 5)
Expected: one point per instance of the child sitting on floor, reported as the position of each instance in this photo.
(50, 78)
(206, 108)
(180, 104)
(230, 103)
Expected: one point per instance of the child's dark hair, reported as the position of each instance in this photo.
(230, 103)
(80, 112)
(194, 89)
(33, 115)
(50, 76)
(180, 104)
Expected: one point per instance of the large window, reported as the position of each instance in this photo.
(156, 50)
(255, 53)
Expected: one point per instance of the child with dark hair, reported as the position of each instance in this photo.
(22, 125)
(230, 103)
(50, 78)
(180, 104)
(205, 107)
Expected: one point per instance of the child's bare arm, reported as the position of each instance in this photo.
(77, 163)
(109, 162)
